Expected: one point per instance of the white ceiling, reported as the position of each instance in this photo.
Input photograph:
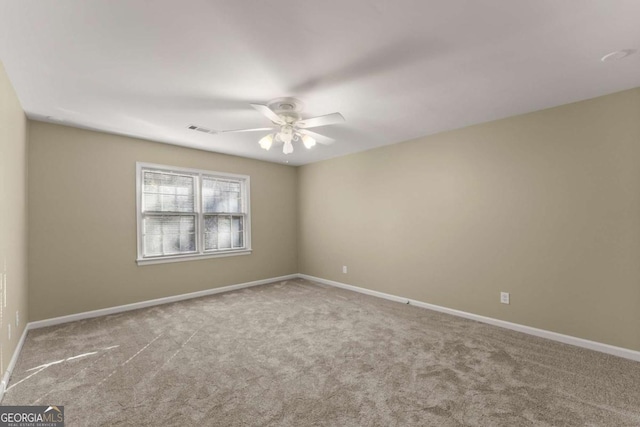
(396, 69)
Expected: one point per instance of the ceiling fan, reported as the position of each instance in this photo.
(288, 125)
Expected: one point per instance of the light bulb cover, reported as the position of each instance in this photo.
(285, 137)
(288, 148)
(308, 141)
(266, 141)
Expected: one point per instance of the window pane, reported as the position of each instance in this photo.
(187, 242)
(237, 234)
(210, 232)
(187, 225)
(224, 240)
(151, 202)
(234, 203)
(210, 242)
(208, 187)
(237, 223)
(152, 245)
(171, 244)
(221, 195)
(237, 240)
(224, 224)
(211, 224)
(169, 235)
(223, 232)
(165, 192)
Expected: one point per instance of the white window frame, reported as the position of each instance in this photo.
(199, 214)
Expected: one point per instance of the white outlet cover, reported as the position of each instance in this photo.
(344, 269)
(504, 297)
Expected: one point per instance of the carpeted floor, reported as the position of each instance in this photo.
(296, 353)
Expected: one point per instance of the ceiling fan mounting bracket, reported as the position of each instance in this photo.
(286, 105)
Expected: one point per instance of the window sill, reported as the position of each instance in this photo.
(191, 257)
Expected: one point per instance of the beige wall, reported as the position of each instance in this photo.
(545, 206)
(13, 219)
(82, 216)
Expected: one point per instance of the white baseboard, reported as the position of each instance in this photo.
(554, 336)
(12, 362)
(149, 303)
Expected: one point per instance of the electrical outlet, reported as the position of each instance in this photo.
(504, 297)
(344, 269)
(17, 318)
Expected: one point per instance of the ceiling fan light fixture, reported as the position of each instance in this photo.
(286, 134)
(308, 141)
(286, 138)
(288, 148)
(266, 141)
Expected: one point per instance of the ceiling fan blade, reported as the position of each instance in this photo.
(329, 119)
(320, 139)
(268, 112)
(245, 130)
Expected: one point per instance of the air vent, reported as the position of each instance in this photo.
(201, 129)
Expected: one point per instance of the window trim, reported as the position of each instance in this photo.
(201, 253)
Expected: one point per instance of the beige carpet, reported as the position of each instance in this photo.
(300, 354)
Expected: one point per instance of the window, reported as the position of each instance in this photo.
(187, 214)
